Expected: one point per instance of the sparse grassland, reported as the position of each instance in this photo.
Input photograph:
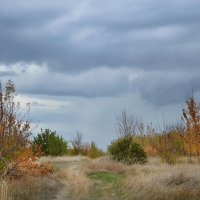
(105, 179)
(79, 178)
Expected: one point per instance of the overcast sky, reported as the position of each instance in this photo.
(80, 62)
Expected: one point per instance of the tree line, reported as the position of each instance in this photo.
(136, 140)
(170, 143)
(52, 144)
(18, 152)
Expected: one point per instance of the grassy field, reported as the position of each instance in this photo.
(79, 178)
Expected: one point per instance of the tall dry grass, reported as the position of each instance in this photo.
(3, 190)
(76, 184)
(104, 164)
(155, 180)
(30, 188)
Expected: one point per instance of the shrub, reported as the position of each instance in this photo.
(50, 143)
(125, 150)
(86, 149)
(94, 151)
(83, 148)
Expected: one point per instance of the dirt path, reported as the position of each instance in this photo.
(64, 193)
(72, 165)
(102, 186)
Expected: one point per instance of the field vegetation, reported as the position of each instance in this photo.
(144, 162)
(80, 178)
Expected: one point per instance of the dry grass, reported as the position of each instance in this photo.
(162, 181)
(4, 190)
(30, 188)
(153, 181)
(76, 183)
(104, 164)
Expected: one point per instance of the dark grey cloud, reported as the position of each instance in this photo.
(91, 49)
(162, 88)
(156, 87)
(79, 36)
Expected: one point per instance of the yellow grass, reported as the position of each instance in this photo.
(162, 181)
(104, 164)
(153, 181)
(32, 188)
(76, 184)
(3, 190)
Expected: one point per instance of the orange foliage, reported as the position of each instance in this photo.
(191, 115)
(150, 150)
(16, 157)
(26, 163)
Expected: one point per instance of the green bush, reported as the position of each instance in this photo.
(125, 150)
(50, 143)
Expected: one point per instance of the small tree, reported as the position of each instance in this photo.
(50, 143)
(169, 146)
(167, 143)
(191, 115)
(124, 149)
(77, 143)
(127, 124)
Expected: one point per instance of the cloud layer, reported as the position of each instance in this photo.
(77, 36)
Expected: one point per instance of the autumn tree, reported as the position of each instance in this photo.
(191, 115)
(16, 155)
(14, 130)
(168, 142)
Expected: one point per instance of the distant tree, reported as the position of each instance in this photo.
(50, 143)
(77, 143)
(128, 124)
(84, 148)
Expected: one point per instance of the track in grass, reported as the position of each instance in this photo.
(106, 185)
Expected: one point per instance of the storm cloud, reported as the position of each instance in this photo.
(78, 36)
